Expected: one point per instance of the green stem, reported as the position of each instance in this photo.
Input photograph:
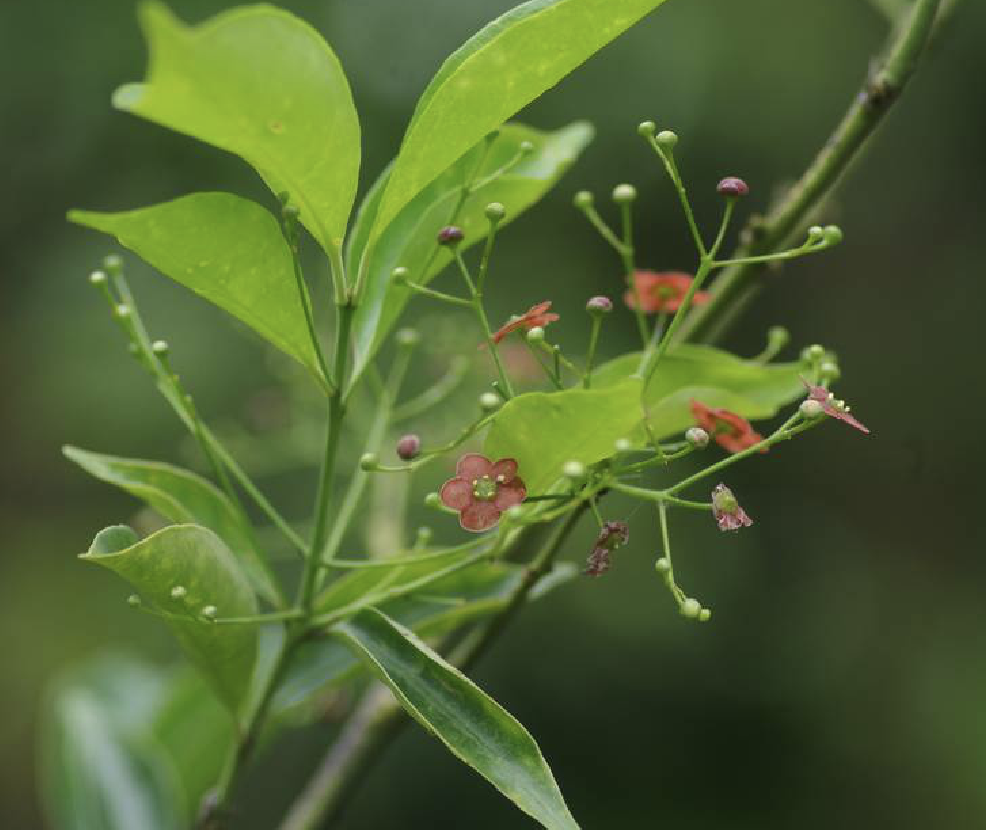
(435, 394)
(736, 286)
(671, 166)
(476, 301)
(597, 322)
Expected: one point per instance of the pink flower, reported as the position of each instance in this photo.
(534, 317)
(611, 536)
(832, 407)
(731, 431)
(727, 511)
(663, 291)
(482, 490)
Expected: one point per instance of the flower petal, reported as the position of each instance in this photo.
(479, 516)
(842, 415)
(507, 495)
(505, 467)
(472, 466)
(457, 493)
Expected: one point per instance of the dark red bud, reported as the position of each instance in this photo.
(602, 305)
(452, 235)
(732, 186)
(408, 447)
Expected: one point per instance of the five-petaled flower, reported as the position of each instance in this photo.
(731, 431)
(536, 316)
(831, 406)
(662, 291)
(611, 536)
(482, 490)
(727, 511)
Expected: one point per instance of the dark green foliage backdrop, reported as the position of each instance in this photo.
(843, 680)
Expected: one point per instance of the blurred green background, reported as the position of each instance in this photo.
(843, 678)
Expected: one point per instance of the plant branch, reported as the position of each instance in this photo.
(738, 284)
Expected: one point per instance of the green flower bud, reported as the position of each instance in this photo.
(573, 469)
(704, 615)
(433, 500)
(526, 147)
(489, 401)
(623, 445)
(646, 128)
(833, 234)
(368, 461)
(399, 274)
(97, 278)
(495, 212)
(160, 348)
(691, 608)
(816, 233)
(407, 337)
(514, 513)
(535, 335)
(599, 305)
(624, 194)
(209, 612)
(697, 437)
(663, 565)
(424, 535)
(122, 311)
(179, 592)
(828, 370)
(583, 199)
(667, 139)
(811, 408)
(113, 263)
(133, 601)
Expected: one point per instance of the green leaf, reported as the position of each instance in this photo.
(474, 727)
(226, 249)
(258, 82)
(435, 610)
(394, 578)
(496, 73)
(195, 559)
(544, 430)
(409, 240)
(184, 498)
(100, 770)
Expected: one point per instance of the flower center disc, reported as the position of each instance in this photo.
(484, 488)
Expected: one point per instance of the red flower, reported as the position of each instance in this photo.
(730, 431)
(661, 291)
(830, 406)
(727, 511)
(536, 316)
(482, 490)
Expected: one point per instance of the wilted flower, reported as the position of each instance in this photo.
(611, 536)
(662, 291)
(482, 490)
(727, 511)
(830, 406)
(535, 317)
(731, 431)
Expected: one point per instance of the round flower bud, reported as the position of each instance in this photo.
(407, 337)
(399, 274)
(368, 461)
(667, 139)
(433, 500)
(811, 408)
(409, 447)
(495, 212)
(113, 263)
(623, 445)
(816, 233)
(489, 401)
(599, 305)
(160, 348)
(535, 335)
(663, 565)
(646, 128)
(778, 337)
(697, 437)
(209, 612)
(133, 601)
(691, 608)
(828, 370)
(573, 469)
(732, 186)
(624, 194)
(704, 615)
(833, 234)
(526, 147)
(451, 235)
(814, 352)
(122, 311)
(179, 592)
(97, 278)
(583, 199)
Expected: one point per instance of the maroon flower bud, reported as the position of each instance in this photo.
(599, 305)
(451, 235)
(732, 186)
(408, 447)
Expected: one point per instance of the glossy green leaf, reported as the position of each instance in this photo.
(192, 558)
(493, 76)
(437, 609)
(100, 769)
(258, 82)
(184, 498)
(409, 240)
(226, 249)
(474, 727)
(544, 430)
(394, 578)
